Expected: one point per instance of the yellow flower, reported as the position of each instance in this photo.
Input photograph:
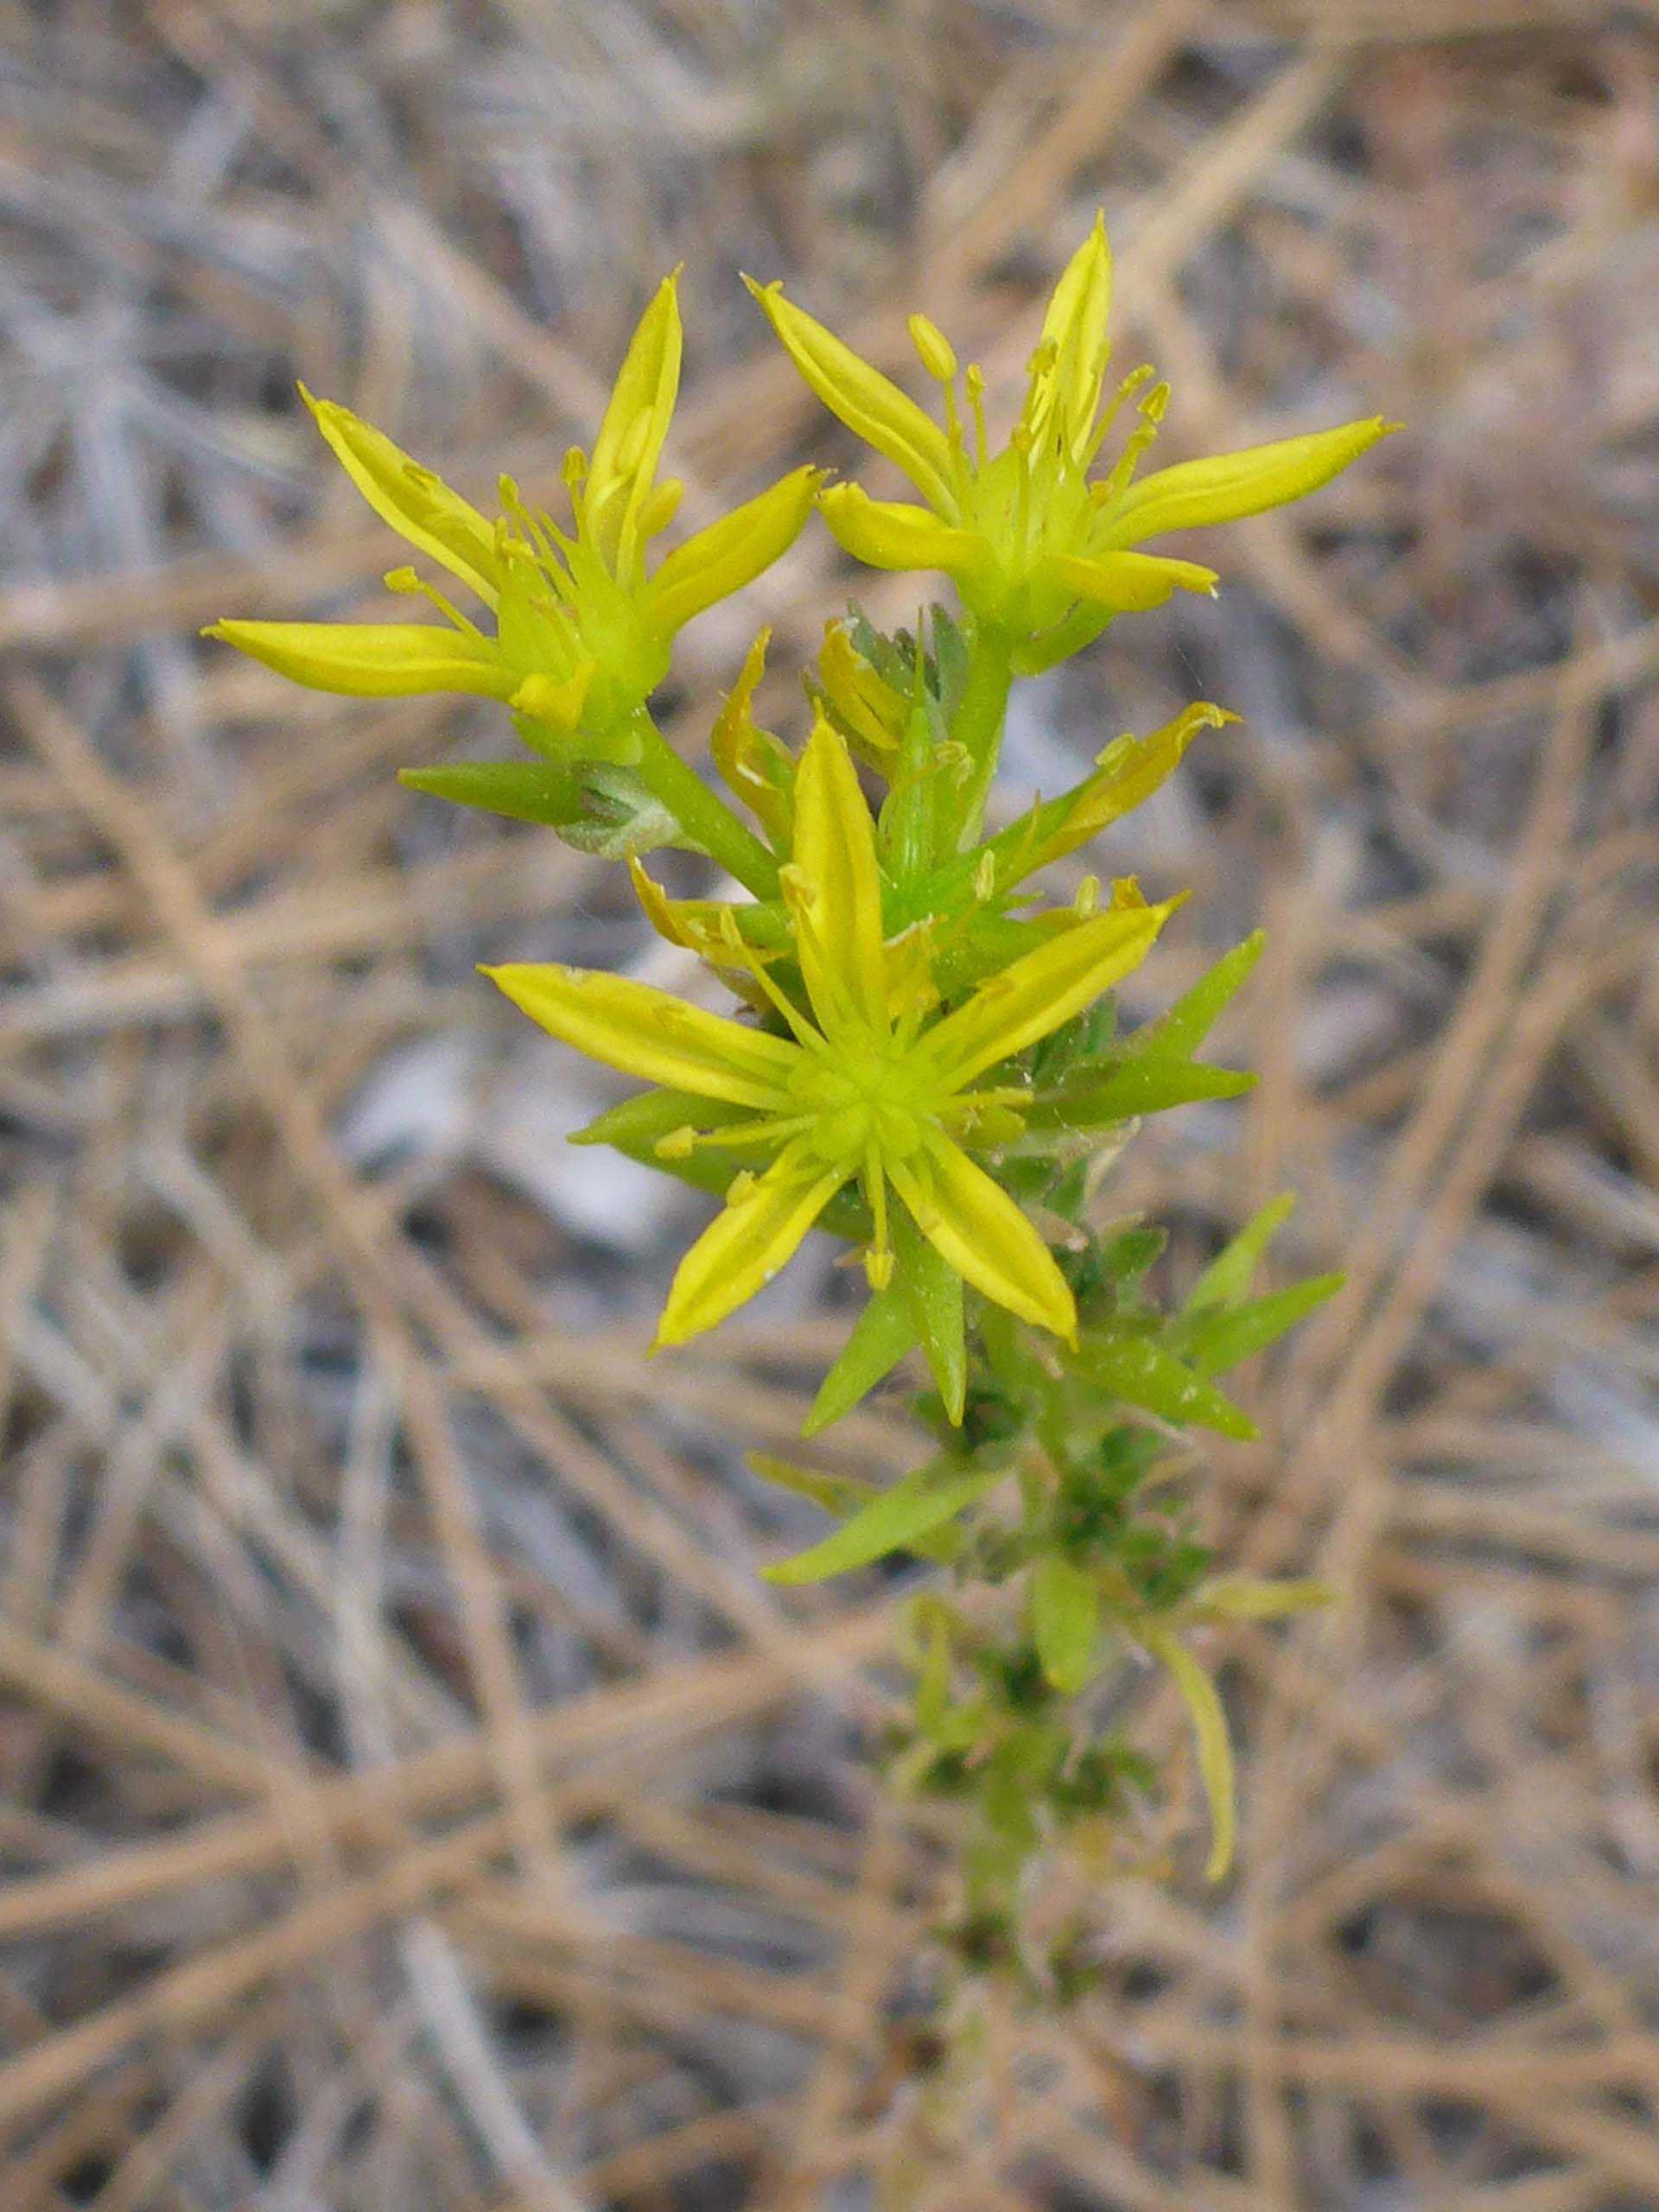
(1028, 538)
(867, 1087)
(582, 632)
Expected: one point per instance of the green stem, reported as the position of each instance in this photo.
(701, 813)
(977, 723)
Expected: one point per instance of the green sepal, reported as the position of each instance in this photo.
(1218, 1338)
(633, 1126)
(1226, 1282)
(637, 1122)
(933, 1290)
(1063, 1607)
(879, 1339)
(1138, 1085)
(524, 791)
(895, 1520)
(1178, 1033)
(1133, 1366)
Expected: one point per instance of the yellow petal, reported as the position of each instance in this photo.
(630, 440)
(869, 404)
(861, 700)
(557, 702)
(373, 660)
(1127, 583)
(419, 505)
(977, 1228)
(835, 887)
(648, 1032)
(890, 534)
(1230, 485)
(757, 767)
(744, 1247)
(730, 553)
(1130, 770)
(1040, 990)
(1065, 390)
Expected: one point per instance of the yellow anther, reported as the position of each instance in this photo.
(932, 348)
(985, 875)
(657, 511)
(403, 580)
(678, 1144)
(574, 467)
(878, 1268)
(1086, 897)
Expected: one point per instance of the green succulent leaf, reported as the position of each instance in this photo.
(895, 1520)
(1065, 1609)
(1226, 1280)
(1135, 1366)
(1217, 1339)
(1178, 1033)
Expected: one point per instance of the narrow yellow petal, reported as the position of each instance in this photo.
(756, 766)
(975, 1227)
(730, 553)
(870, 404)
(419, 505)
(635, 423)
(373, 660)
(1230, 485)
(1129, 770)
(744, 1247)
(836, 886)
(1039, 991)
(890, 534)
(1127, 583)
(1065, 389)
(648, 1032)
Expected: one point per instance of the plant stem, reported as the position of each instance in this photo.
(977, 722)
(701, 813)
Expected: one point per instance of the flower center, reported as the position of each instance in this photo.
(867, 1095)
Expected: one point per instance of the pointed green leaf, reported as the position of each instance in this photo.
(1226, 1280)
(838, 1494)
(1179, 1033)
(1210, 1732)
(1136, 1367)
(1136, 1086)
(1217, 1339)
(1239, 1597)
(922, 1501)
(1064, 1610)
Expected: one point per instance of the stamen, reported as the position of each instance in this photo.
(985, 877)
(1130, 385)
(1086, 898)
(745, 956)
(773, 1128)
(975, 383)
(878, 1260)
(406, 582)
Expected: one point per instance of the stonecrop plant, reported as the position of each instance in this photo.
(921, 1058)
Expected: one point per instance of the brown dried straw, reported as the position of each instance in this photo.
(412, 1798)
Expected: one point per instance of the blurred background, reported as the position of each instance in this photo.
(412, 1798)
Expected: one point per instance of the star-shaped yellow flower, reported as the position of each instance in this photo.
(583, 633)
(1028, 538)
(870, 1086)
